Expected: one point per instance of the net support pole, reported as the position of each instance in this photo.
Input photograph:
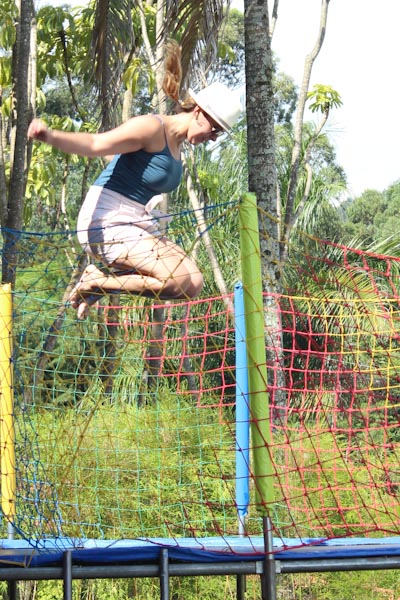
(242, 426)
(242, 412)
(256, 354)
(7, 434)
(258, 389)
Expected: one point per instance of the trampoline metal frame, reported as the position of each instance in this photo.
(266, 567)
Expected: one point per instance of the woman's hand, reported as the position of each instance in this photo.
(38, 130)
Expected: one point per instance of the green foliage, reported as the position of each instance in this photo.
(230, 61)
(354, 585)
(372, 218)
(53, 173)
(323, 97)
(318, 216)
(52, 25)
(182, 588)
(286, 97)
(101, 486)
(9, 12)
(114, 446)
(137, 75)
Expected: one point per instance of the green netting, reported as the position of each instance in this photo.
(112, 439)
(125, 423)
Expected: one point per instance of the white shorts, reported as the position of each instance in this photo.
(110, 225)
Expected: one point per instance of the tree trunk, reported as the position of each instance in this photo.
(263, 179)
(261, 137)
(21, 115)
(298, 130)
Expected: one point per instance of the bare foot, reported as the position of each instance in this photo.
(86, 286)
(83, 311)
(86, 304)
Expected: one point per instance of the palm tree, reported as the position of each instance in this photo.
(341, 312)
(277, 215)
(123, 28)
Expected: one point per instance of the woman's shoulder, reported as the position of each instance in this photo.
(147, 126)
(149, 120)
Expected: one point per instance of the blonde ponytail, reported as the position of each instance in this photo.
(173, 70)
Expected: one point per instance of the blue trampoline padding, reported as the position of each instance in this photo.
(49, 552)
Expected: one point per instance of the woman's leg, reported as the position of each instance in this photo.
(156, 267)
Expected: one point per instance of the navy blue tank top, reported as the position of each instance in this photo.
(141, 175)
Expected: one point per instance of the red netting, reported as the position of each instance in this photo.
(194, 346)
(333, 384)
(131, 417)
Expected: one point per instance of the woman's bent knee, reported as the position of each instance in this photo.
(182, 288)
(195, 286)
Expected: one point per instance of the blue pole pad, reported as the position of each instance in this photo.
(242, 406)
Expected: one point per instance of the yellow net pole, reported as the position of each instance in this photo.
(7, 434)
(256, 353)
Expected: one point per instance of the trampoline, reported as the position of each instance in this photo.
(87, 477)
(68, 559)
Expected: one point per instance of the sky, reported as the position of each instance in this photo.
(359, 60)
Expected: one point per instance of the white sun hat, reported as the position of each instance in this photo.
(220, 103)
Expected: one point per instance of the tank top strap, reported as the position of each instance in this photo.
(163, 124)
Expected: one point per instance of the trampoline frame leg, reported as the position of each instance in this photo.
(12, 590)
(164, 574)
(240, 587)
(268, 578)
(67, 575)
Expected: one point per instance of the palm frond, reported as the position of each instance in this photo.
(113, 40)
(390, 246)
(196, 24)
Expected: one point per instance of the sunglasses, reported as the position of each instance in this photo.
(216, 130)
